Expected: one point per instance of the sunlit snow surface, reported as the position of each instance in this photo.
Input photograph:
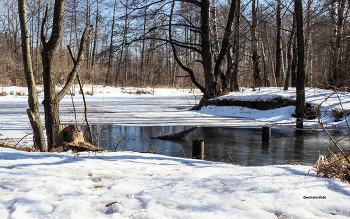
(134, 185)
(44, 185)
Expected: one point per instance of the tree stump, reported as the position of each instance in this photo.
(66, 134)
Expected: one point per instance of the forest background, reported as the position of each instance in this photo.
(129, 45)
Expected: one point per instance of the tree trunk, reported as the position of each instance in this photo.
(214, 31)
(110, 56)
(300, 86)
(33, 110)
(278, 45)
(210, 83)
(308, 40)
(234, 79)
(337, 26)
(270, 57)
(255, 46)
(289, 56)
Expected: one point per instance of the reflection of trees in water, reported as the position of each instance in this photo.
(298, 152)
(244, 146)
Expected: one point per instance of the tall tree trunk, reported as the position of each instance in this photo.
(125, 39)
(270, 58)
(110, 56)
(290, 55)
(33, 110)
(308, 40)
(255, 47)
(278, 45)
(95, 43)
(210, 83)
(235, 51)
(88, 54)
(337, 25)
(300, 89)
(214, 31)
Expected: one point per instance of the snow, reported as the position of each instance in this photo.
(139, 185)
(62, 185)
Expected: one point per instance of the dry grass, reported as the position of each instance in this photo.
(89, 93)
(20, 93)
(3, 93)
(333, 166)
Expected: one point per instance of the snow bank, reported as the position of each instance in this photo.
(134, 185)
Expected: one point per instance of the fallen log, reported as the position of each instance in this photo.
(80, 146)
(178, 135)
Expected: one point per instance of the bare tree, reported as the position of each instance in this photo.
(255, 47)
(300, 89)
(337, 12)
(278, 45)
(51, 98)
(33, 110)
(110, 55)
(212, 69)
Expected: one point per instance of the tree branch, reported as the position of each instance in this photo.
(190, 72)
(43, 39)
(226, 39)
(77, 64)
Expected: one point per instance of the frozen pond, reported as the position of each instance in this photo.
(243, 146)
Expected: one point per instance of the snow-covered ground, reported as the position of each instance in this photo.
(137, 185)
(134, 185)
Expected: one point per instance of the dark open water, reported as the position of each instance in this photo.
(243, 146)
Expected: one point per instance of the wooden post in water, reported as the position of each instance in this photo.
(299, 124)
(266, 134)
(198, 149)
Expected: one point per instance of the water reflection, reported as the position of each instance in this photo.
(243, 146)
(298, 144)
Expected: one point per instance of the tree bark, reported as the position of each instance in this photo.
(33, 110)
(110, 56)
(308, 40)
(337, 26)
(255, 46)
(300, 86)
(234, 77)
(278, 45)
(290, 56)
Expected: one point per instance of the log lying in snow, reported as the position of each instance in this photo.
(175, 135)
(81, 146)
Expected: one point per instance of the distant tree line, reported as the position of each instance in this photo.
(156, 43)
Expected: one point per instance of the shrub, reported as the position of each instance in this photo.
(333, 166)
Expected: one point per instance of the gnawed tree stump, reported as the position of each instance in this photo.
(70, 137)
(178, 135)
